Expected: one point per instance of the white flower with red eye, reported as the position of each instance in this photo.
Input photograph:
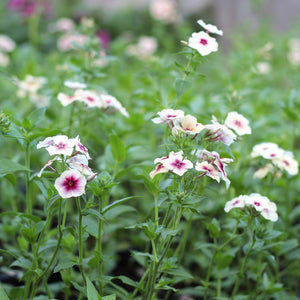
(110, 101)
(66, 99)
(80, 163)
(208, 169)
(260, 149)
(287, 162)
(210, 28)
(235, 202)
(203, 43)
(238, 123)
(177, 164)
(263, 205)
(61, 145)
(75, 85)
(71, 183)
(189, 125)
(48, 141)
(168, 115)
(90, 98)
(80, 148)
(159, 169)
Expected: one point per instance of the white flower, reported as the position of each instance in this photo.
(80, 148)
(238, 123)
(75, 85)
(189, 124)
(48, 164)
(264, 171)
(287, 162)
(203, 43)
(6, 43)
(159, 169)
(260, 149)
(235, 202)
(66, 99)
(110, 101)
(177, 164)
(61, 144)
(210, 28)
(69, 40)
(62, 25)
(4, 59)
(71, 183)
(90, 98)
(168, 115)
(262, 67)
(30, 85)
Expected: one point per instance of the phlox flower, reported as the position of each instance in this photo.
(80, 163)
(6, 43)
(264, 171)
(287, 162)
(58, 145)
(30, 85)
(168, 115)
(164, 10)
(75, 85)
(262, 148)
(4, 59)
(262, 204)
(90, 98)
(71, 183)
(159, 169)
(189, 125)
(66, 99)
(144, 48)
(80, 148)
(177, 164)
(68, 41)
(210, 28)
(62, 25)
(110, 101)
(220, 132)
(214, 164)
(48, 164)
(238, 123)
(203, 43)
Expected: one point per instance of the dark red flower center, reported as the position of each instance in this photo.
(203, 42)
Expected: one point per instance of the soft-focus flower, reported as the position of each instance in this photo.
(164, 10)
(262, 148)
(168, 115)
(66, 99)
(264, 171)
(210, 28)
(189, 124)
(104, 38)
(262, 67)
(287, 162)
(144, 48)
(68, 41)
(62, 25)
(58, 145)
(4, 59)
(71, 183)
(262, 204)
(6, 43)
(294, 51)
(235, 202)
(238, 123)
(30, 85)
(220, 132)
(90, 98)
(203, 43)
(112, 102)
(75, 85)
(29, 7)
(39, 100)
(80, 148)
(159, 169)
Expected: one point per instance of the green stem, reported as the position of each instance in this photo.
(80, 245)
(156, 210)
(140, 284)
(28, 188)
(219, 285)
(99, 248)
(65, 215)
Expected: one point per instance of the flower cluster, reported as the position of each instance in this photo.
(188, 124)
(91, 98)
(262, 205)
(202, 41)
(29, 87)
(144, 48)
(6, 45)
(71, 153)
(280, 159)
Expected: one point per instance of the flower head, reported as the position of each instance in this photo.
(71, 183)
(189, 125)
(75, 85)
(6, 43)
(210, 28)
(112, 102)
(168, 115)
(66, 99)
(90, 98)
(30, 85)
(177, 164)
(203, 43)
(235, 202)
(238, 123)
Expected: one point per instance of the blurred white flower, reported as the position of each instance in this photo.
(4, 59)
(238, 123)
(6, 43)
(294, 51)
(30, 85)
(68, 41)
(203, 43)
(75, 85)
(165, 11)
(144, 48)
(62, 25)
(210, 28)
(262, 67)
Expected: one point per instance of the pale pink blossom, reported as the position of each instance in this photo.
(235, 202)
(112, 102)
(210, 28)
(220, 132)
(287, 162)
(69, 41)
(159, 169)
(66, 99)
(164, 10)
(208, 169)
(62, 25)
(80, 148)
(168, 115)
(144, 48)
(189, 125)
(177, 164)
(203, 43)
(262, 148)
(71, 183)
(238, 123)
(48, 141)
(264, 171)
(61, 145)
(6, 43)
(90, 98)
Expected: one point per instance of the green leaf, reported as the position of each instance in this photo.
(34, 118)
(64, 264)
(115, 203)
(93, 212)
(8, 166)
(127, 280)
(181, 86)
(92, 293)
(109, 297)
(213, 228)
(118, 149)
(3, 295)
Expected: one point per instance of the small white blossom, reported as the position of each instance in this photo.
(238, 123)
(203, 43)
(210, 28)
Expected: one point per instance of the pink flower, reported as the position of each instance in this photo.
(6, 43)
(210, 28)
(261, 149)
(168, 115)
(203, 43)
(70, 184)
(104, 38)
(208, 169)
(80, 148)
(287, 162)
(68, 41)
(90, 98)
(61, 145)
(177, 164)
(235, 202)
(159, 169)
(238, 123)
(189, 125)
(110, 101)
(48, 164)
(66, 99)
